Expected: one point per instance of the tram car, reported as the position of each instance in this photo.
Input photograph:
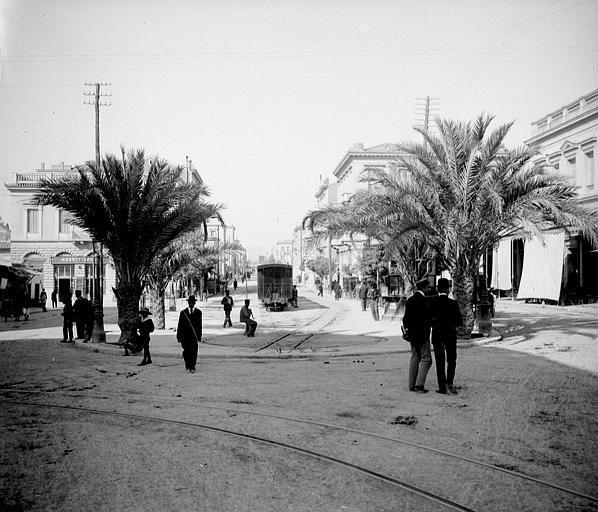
(274, 285)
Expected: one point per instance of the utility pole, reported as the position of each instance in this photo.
(99, 334)
(424, 107)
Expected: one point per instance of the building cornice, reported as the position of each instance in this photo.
(565, 125)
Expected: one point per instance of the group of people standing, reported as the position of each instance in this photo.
(79, 313)
(435, 318)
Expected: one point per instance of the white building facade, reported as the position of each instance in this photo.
(567, 141)
(42, 240)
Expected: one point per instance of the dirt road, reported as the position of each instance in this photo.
(92, 431)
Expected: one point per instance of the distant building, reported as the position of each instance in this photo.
(281, 252)
(560, 266)
(42, 239)
(233, 261)
(357, 162)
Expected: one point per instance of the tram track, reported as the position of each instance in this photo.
(281, 322)
(413, 489)
(195, 404)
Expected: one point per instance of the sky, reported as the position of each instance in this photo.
(266, 96)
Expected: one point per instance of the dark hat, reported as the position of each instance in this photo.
(246, 301)
(422, 284)
(144, 311)
(444, 283)
(191, 298)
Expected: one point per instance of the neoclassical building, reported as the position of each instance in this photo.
(560, 266)
(43, 240)
(358, 161)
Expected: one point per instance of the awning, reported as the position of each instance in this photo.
(501, 265)
(13, 276)
(543, 267)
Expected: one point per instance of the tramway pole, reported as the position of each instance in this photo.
(99, 334)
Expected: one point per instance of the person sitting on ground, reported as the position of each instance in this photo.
(246, 317)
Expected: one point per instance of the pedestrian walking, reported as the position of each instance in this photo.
(235, 284)
(445, 317)
(373, 296)
(416, 323)
(246, 316)
(145, 326)
(81, 312)
(338, 291)
(67, 320)
(54, 298)
(43, 297)
(320, 290)
(228, 303)
(363, 295)
(188, 333)
(294, 296)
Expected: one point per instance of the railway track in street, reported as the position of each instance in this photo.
(331, 451)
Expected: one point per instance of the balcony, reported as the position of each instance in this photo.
(565, 114)
(31, 180)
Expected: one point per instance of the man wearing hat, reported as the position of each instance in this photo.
(144, 327)
(188, 333)
(446, 317)
(246, 316)
(416, 323)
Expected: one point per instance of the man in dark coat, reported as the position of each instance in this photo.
(446, 317)
(188, 333)
(81, 309)
(228, 303)
(416, 322)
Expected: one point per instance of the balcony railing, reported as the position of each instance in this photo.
(565, 114)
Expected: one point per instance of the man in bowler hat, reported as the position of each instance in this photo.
(446, 317)
(416, 323)
(188, 333)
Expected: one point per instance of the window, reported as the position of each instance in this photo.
(32, 221)
(590, 170)
(63, 221)
(572, 170)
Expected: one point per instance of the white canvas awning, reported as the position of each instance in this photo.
(543, 267)
(501, 265)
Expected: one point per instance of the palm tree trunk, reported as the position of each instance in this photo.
(157, 305)
(127, 302)
(463, 280)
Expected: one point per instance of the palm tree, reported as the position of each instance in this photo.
(135, 208)
(466, 191)
(455, 197)
(186, 257)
